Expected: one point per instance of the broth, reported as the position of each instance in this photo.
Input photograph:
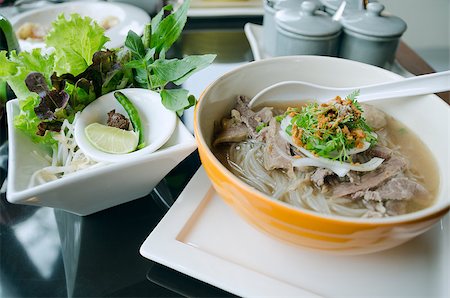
(245, 159)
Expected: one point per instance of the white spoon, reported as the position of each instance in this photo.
(290, 91)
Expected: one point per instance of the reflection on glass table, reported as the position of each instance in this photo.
(52, 253)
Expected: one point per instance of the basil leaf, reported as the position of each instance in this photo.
(141, 78)
(156, 82)
(135, 45)
(135, 64)
(175, 99)
(178, 71)
(170, 28)
(170, 70)
(159, 16)
(149, 56)
(197, 62)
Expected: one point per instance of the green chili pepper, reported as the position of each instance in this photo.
(133, 114)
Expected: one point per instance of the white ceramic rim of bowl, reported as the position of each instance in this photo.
(157, 121)
(117, 34)
(440, 205)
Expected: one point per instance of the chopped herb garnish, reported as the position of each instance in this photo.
(260, 126)
(330, 129)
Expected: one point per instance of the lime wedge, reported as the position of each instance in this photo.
(111, 139)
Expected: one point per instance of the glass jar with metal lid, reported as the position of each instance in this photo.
(307, 31)
(371, 36)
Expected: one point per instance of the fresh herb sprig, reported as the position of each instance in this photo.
(148, 58)
(330, 130)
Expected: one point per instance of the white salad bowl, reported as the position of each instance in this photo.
(158, 123)
(93, 189)
(129, 17)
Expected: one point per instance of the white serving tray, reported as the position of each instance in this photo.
(202, 237)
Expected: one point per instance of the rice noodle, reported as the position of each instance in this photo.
(245, 161)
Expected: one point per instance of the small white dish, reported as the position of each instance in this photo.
(158, 123)
(203, 237)
(93, 189)
(129, 17)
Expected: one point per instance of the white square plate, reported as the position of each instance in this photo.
(202, 237)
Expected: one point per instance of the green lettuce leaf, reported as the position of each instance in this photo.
(75, 41)
(27, 121)
(15, 69)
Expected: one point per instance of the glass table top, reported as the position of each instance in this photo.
(51, 253)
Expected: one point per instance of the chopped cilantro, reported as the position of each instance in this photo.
(260, 126)
(330, 130)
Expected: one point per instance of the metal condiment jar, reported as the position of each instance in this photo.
(306, 32)
(371, 37)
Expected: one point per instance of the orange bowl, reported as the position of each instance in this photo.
(336, 234)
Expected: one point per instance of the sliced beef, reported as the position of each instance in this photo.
(118, 120)
(397, 188)
(395, 207)
(233, 134)
(243, 123)
(273, 158)
(380, 151)
(354, 177)
(264, 115)
(374, 117)
(386, 170)
(247, 115)
(319, 175)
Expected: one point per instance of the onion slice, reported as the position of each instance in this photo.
(339, 168)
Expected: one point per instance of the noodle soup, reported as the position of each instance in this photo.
(388, 171)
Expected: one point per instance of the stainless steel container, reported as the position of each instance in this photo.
(306, 31)
(371, 36)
